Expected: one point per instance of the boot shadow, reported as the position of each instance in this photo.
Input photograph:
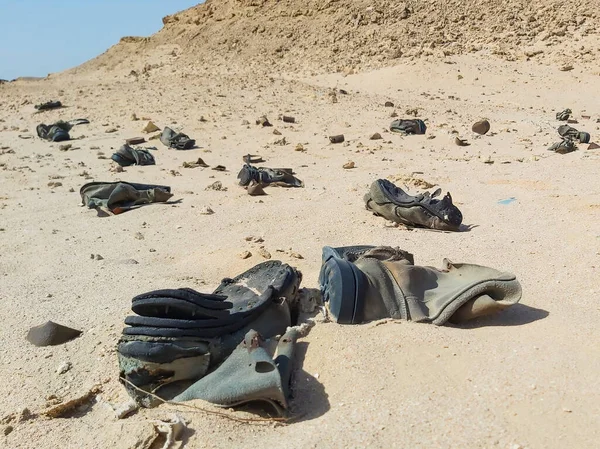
(309, 399)
(517, 315)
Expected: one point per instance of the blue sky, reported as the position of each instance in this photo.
(38, 37)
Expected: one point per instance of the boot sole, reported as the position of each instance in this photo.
(341, 286)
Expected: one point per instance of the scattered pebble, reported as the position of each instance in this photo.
(461, 142)
(139, 236)
(206, 210)
(245, 254)
(150, 128)
(65, 147)
(389, 104)
(8, 430)
(299, 147)
(264, 121)
(264, 253)
(217, 185)
(375, 136)
(111, 130)
(64, 367)
(296, 255)
(349, 165)
(277, 132)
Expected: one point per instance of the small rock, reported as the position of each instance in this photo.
(245, 255)
(139, 236)
(219, 168)
(299, 147)
(336, 139)
(99, 257)
(296, 255)
(349, 165)
(135, 140)
(389, 104)
(134, 117)
(65, 147)
(206, 210)
(481, 127)
(288, 119)
(71, 189)
(394, 114)
(245, 122)
(277, 132)
(264, 253)
(64, 367)
(593, 146)
(150, 128)
(264, 121)
(25, 415)
(125, 409)
(566, 68)
(111, 130)
(218, 186)
(174, 173)
(375, 136)
(461, 142)
(54, 184)
(8, 430)
(255, 189)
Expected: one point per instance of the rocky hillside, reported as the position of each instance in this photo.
(337, 35)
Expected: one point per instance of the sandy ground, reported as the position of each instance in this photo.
(525, 378)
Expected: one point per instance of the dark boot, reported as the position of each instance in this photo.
(391, 202)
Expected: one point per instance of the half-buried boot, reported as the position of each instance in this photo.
(408, 126)
(120, 196)
(365, 283)
(392, 203)
(250, 374)
(126, 156)
(569, 132)
(179, 141)
(180, 335)
(282, 177)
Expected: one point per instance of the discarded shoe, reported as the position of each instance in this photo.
(571, 133)
(408, 126)
(282, 177)
(127, 156)
(182, 334)
(58, 132)
(48, 105)
(563, 147)
(564, 115)
(119, 197)
(365, 283)
(388, 201)
(50, 334)
(179, 141)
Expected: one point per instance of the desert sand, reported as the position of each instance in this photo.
(526, 378)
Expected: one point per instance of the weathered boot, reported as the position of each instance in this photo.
(368, 283)
(424, 210)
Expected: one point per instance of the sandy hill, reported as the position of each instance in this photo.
(338, 35)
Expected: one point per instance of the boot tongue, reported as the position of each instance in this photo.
(387, 253)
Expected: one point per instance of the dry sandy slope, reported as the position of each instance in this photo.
(338, 35)
(528, 377)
